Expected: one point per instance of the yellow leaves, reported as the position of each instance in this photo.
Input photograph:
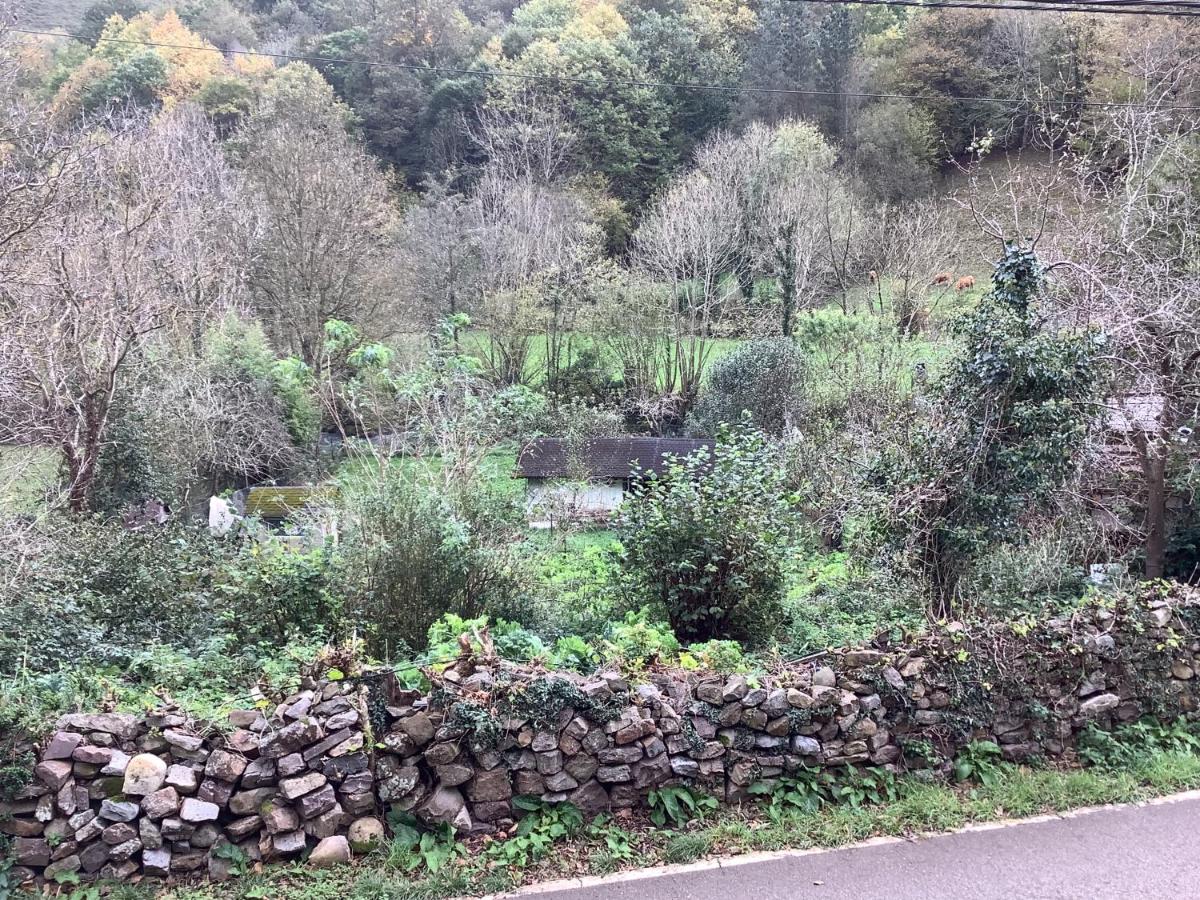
(191, 62)
(187, 69)
(597, 19)
(253, 66)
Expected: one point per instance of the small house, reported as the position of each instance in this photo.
(587, 480)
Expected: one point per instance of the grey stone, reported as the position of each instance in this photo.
(259, 773)
(62, 745)
(291, 788)
(446, 805)
(162, 803)
(149, 834)
(183, 740)
(248, 803)
(195, 811)
(614, 774)
(144, 775)
(156, 862)
(182, 778)
(490, 786)
(805, 746)
(118, 811)
(53, 773)
(824, 677)
(591, 799)
(365, 834)
(455, 774)
(123, 852)
(278, 819)
(290, 738)
(1099, 704)
(685, 767)
(213, 790)
(289, 843)
(550, 762)
(316, 803)
(225, 766)
(123, 726)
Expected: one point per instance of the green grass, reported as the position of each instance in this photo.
(26, 475)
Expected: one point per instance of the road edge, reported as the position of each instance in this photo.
(745, 859)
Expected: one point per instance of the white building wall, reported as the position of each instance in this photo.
(550, 501)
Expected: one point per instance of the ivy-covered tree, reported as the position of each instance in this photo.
(1002, 436)
(707, 539)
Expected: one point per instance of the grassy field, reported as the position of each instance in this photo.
(26, 475)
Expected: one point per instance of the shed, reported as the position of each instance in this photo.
(587, 480)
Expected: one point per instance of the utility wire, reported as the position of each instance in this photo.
(1182, 9)
(605, 82)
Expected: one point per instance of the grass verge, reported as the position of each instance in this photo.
(921, 807)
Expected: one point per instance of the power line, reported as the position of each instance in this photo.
(1182, 9)
(606, 82)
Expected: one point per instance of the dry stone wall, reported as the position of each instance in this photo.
(160, 795)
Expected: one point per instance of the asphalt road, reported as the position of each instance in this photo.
(1150, 851)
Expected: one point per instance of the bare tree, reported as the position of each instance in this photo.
(440, 258)
(688, 242)
(322, 236)
(100, 278)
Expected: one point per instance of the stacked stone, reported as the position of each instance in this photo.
(116, 795)
(445, 774)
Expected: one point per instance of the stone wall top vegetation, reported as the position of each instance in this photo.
(319, 772)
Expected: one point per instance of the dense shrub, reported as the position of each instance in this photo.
(707, 540)
(412, 552)
(763, 378)
(1010, 418)
(836, 602)
(95, 591)
(277, 594)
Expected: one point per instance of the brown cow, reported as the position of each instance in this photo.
(965, 283)
(942, 278)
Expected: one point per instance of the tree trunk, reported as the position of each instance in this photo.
(1154, 471)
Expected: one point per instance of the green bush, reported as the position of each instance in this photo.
(95, 591)
(763, 378)
(636, 640)
(412, 552)
(278, 594)
(707, 540)
(836, 602)
(716, 656)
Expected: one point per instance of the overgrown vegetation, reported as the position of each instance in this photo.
(223, 269)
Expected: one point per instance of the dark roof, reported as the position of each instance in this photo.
(602, 457)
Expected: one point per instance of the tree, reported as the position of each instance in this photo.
(1010, 419)
(707, 540)
(894, 151)
(126, 255)
(620, 123)
(687, 242)
(121, 69)
(322, 233)
(783, 188)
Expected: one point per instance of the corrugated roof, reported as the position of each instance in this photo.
(282, 501)
(602, 457)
